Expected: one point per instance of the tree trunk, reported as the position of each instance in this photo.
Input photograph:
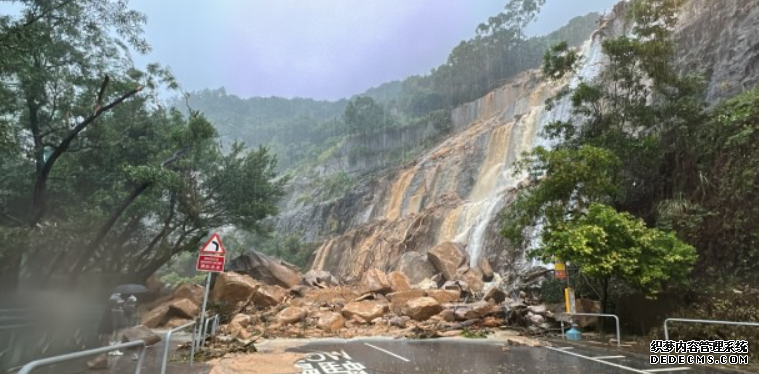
(10, 271)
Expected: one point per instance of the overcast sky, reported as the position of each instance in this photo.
(325, 49)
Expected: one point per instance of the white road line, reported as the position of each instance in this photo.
(600, 361)
(668, 369)
(563, 348)
(607, 357)
(388, 352)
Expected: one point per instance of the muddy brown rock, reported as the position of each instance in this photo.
(189, 291)
(415, 266)
(398, 281)
(183, 308)
(426, 284)
(176, 322)
(239, 323)
(155, 317)
(587, 306)
(447, 315)
(268, 296)
(446, 258)
(366, 310)
(444, 296)
(331, 322)
(399, 299)
(422, 309)
(291, 315)
(375, 281)
(233, 288)
(473, 278)
(143, 333)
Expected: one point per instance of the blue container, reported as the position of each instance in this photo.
(573, 334)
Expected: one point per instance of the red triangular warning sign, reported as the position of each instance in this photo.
(214, 246)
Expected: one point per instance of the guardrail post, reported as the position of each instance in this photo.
(167, 345)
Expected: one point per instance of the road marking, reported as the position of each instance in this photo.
(563, 348)
(388, 352)
(607, 357)
(668, 369)
(600, 361)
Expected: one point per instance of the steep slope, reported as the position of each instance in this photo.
(456, 191)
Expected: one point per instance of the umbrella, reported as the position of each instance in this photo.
(131, 289)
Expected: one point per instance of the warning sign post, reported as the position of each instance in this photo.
(212, 256)
(211, 260)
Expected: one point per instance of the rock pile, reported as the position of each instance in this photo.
(262, 299)
(379, 305)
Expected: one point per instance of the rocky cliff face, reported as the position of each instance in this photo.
(721, 39)
(456, 190)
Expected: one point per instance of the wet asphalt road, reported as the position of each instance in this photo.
(471, 357)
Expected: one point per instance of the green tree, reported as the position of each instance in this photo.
(99, 179)
(602, 182)
(569, 181)
(608, 245)
(364, 116)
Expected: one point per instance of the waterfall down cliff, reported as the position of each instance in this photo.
(457, 189)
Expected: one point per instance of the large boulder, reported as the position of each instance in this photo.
(156, 317)
(421, 309)
(399, 299)
(184, 308)
(265, 269)
(447, 257)
(473, 278)
(375, 281)
(320, 278)
(398, 281)
(162, 314)
(331, 322)
(367, 310)
(587, 306)
(189, 291)
(292, 314)
(444, 296)
(415, 266)
(478, 309)
(268, 296)
(233, 288)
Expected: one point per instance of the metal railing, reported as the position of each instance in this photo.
(705, 321)
(167, 345)
(28, 368)
(616, 319)
(215, 325)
